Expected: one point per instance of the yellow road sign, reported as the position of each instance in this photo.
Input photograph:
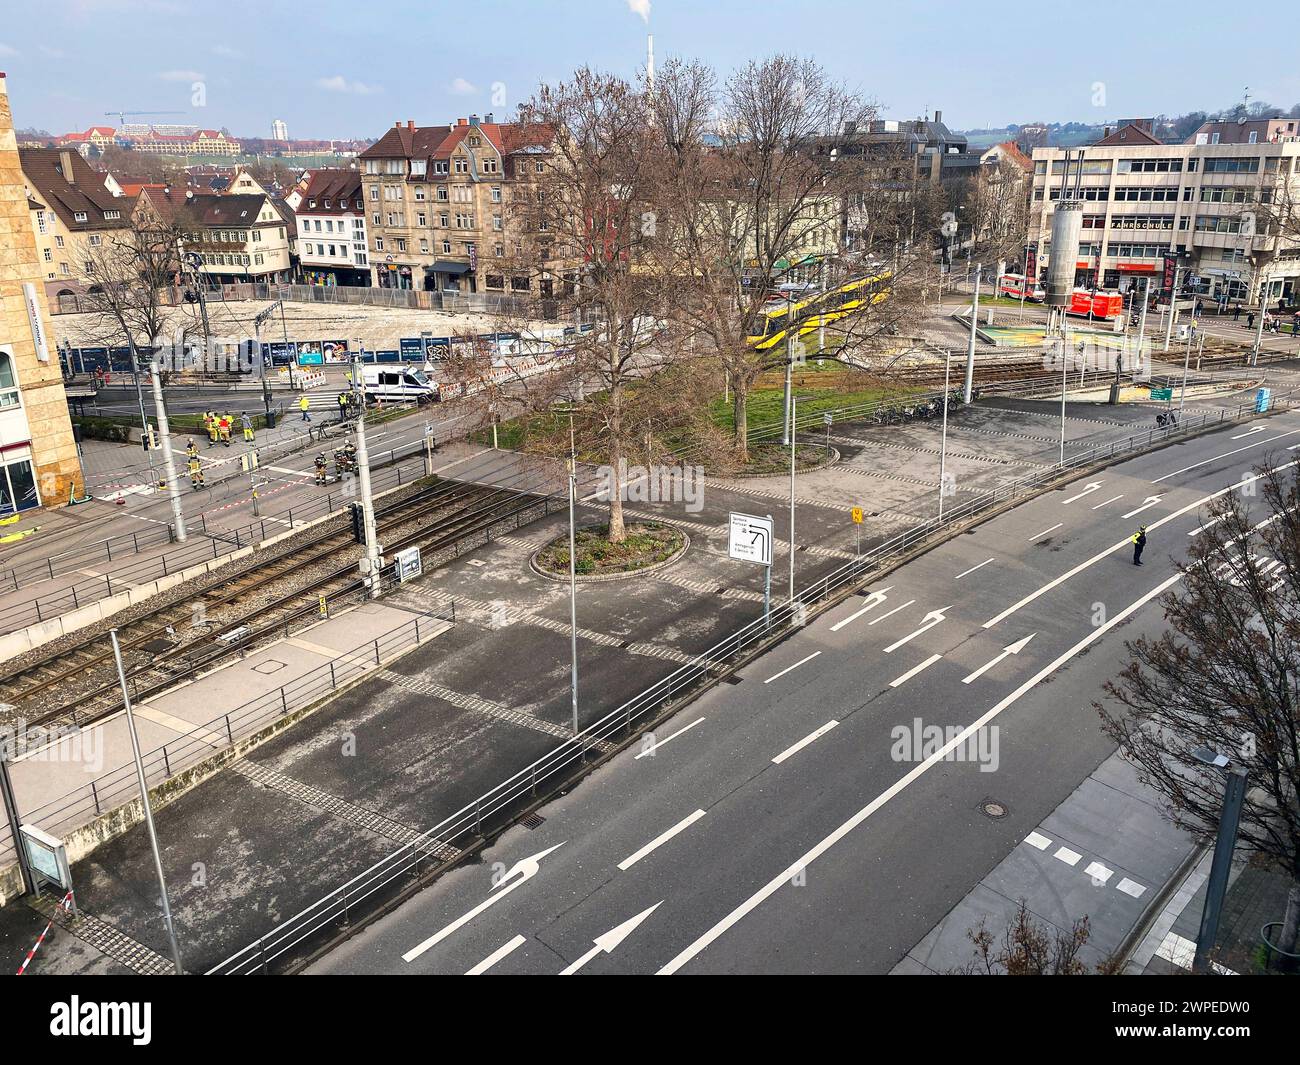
(856, 514)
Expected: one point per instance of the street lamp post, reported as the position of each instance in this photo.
(970, 346)
(371, 560)
(943, 436)
(787, 436)
(794, 413)
(1234, 795)
(573, 576)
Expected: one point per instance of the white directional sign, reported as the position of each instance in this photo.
(751, 539)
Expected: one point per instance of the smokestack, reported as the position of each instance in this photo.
(650, 61)
(938, 116)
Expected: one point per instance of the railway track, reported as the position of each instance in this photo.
(79, 684)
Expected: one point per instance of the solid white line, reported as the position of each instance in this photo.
(805, 741)
(1110, 500)
(667, 739)
(788, 668)
(1226, 454)
(801, 863)
(896, 609)
(1195, 505)
(973, 569)
(914, 671)
(1045, 532)
(496, 956)
(660, 840)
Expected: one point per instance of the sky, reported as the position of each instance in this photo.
(350, 69)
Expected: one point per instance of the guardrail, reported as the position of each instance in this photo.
(111, 790)
(390, 875)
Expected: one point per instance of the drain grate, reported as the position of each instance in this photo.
(533, 821)
(731, 678)
(994, 809)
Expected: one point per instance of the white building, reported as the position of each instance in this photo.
(279, 130)
(331, 223)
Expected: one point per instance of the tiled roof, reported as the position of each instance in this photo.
(341, 187)
(86, 194)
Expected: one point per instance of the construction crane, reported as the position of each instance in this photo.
(121, 115)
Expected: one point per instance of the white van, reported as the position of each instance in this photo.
(398, 382)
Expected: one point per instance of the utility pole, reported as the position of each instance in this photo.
(371, 560)
(794, 413)
(1234, 795)
(146, 805)
(787, 431)
(1259, 327)
(195, 262)
(169, 464)
(943, 437)
(144, 417)
(1173, 296)
(970, 348)
(573, 575)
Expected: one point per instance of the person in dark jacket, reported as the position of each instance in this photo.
(1139, 543)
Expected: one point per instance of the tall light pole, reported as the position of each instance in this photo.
(970, 347)
(794, 413)
(573, 575)
(146, 805)
(371, 559)
(169, 464)
(788, 434)
(943, 437)
(1234, 796)
(1259, 326)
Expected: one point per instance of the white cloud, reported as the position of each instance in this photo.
(338, 83)
(53, 53)
(461, 87)
(640, 7)
(180, 75)
(7, 51)
(226, 52)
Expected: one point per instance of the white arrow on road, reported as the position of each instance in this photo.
(520, 873)
(1092, 487)
(872, 601)
(611, 939)
(928, 622)
(1010, 649)
(1248, 432)
(1147, 504)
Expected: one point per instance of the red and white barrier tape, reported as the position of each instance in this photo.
(65, 903)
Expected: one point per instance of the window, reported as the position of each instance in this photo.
(421, 219)
(440, 166)
(490, 164)
(496, 222)
(112, 215)
(496, 193)
(374, 192)
(446, 247)
(40, 221)
(257, 259)
(79, 216)
(1218, 224)
(377, 218)
(49, 255)
(58, 242)
(519, 284)
(257, 236)
(401, 245)
(379, 244)
(424, 245)
(1142, 221)
(538, 167)
(419, 167)
(462, 166)
(494, 281)
(1148, 166)
(1211, 194)
(442, 193)
(1232, 166)
(421, 193)
(499, 250)
(95, 240)
(8, 384)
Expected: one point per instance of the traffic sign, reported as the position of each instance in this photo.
(751, 539)
(828, 419)
(1162, 393)
(856, 514)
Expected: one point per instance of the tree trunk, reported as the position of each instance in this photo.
(740, 412)
(617, 531)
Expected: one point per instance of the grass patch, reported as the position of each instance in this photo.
(765, 404)
(775, 458)
(646, 544)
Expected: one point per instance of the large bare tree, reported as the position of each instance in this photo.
(1226, 676)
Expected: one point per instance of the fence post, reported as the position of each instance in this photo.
(333, 682)
(94, 795)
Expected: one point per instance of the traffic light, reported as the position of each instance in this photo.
(358, 522)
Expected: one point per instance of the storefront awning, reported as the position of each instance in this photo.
(442, 266)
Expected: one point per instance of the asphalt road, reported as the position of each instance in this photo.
(787, 823)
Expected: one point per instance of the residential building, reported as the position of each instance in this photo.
(240, 237)
(99, 137)
(72, 214)
(1247, 131)
(1205, 203)
(200, 142)
(331, 225)
(438, 204)
(39, 465)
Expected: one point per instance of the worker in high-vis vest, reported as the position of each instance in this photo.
(247, 424)
(195, 467)
(223, 427)
(321, 476)
(1139, 543)
(210, 424)
(304, 404)
(343, 405)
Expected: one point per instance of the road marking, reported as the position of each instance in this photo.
(1127, 541)
(801, 863)
(1131, 887)
(1110, 500)
(928, 622)
(1010, 649)
(1036, 839)
(660, 840)
(527, 868)
(496, 956)
(1248, 432)
(972, 569)
(1226, 454)
(873, 601)
(789, 668)
(296, 473)
(1092, 487)
(810, 738)
(1045, 531)
(668, 739)
(1069, 857)
(1202, 528)
(914, 671)
(896, 609)
(1147, 504)
(608, 942)
(1098, 872)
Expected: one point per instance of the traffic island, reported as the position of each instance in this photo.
(648, 546)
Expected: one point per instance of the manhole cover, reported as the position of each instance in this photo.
(994, 809)
(476, 562)
(269, 666)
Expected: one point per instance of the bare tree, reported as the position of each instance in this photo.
(1225, 677)
(1029, 947)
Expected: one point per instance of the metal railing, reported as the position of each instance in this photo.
(120, 786)
(401, 868)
